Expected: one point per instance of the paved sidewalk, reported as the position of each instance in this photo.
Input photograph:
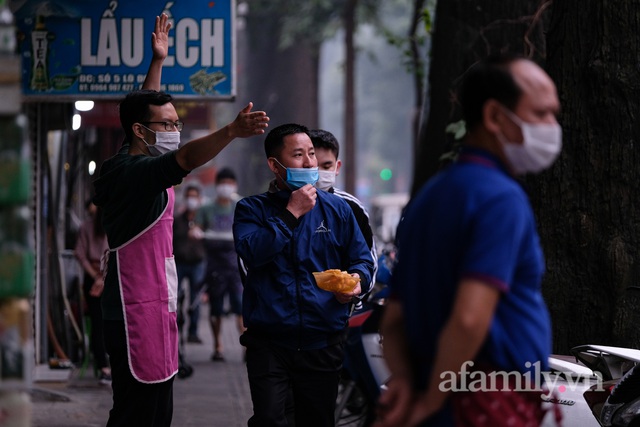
(217, 394)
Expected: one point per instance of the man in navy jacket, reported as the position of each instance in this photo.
(295, 330)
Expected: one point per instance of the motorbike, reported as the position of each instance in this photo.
(364, 370)
(601, 387)
(616, 402)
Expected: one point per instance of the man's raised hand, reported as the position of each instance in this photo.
(160, 37)
(249, 123)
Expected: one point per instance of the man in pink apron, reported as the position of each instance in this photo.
(134, 189)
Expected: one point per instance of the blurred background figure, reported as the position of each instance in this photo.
(189, 253)
(91, 245)
(222, 278)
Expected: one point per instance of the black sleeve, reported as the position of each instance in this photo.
(289, 219)
(160, 172)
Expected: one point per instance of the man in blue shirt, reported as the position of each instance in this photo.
(466, 301)
(295, 330)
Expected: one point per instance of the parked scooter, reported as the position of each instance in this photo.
(601, 388)
(364, 370)
(615, 402)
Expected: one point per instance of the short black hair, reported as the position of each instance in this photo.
(225, 173)
(325, 139)
(275, 138)
(491, 78)
(190, 187)
(134, 108)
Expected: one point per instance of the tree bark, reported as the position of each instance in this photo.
(587, 205)
(418, 75)
(349, 146)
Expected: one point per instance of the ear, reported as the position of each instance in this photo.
(273, 165)
(492, 116)
(138, 130)
(338, 166)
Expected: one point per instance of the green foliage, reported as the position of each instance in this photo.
(313, 21)
(458, 129)
(426, 16)
(402, 44)
(414, 66)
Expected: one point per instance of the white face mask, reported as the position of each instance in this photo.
(193, 203)
(165, 142)
(326, 179)
(540, 147)
(225, 191)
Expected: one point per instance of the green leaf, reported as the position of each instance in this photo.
(458, 129)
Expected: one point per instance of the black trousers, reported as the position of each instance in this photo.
(134, 403)
(96, 341)
(279, 377)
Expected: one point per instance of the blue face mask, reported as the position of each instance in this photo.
(299, 177)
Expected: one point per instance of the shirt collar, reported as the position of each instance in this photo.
(480, 156)
(274, 188)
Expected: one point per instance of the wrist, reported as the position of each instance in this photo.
(229, 132)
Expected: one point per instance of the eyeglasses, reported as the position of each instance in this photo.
(168, 126)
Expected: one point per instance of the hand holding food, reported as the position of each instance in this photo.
(334, 280)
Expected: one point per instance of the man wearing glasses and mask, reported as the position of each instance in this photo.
(135, 191)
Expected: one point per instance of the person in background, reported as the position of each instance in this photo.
(327, 153)
(295, 330)
(222, 278)
(466, 290)
(189, 252)
(90, 247)
(135, 191)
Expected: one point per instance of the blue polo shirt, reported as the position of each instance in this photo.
(473, 220)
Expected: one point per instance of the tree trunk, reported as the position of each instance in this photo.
(417, 65)
(349, 146)
(284, 83)
(465, 31)
(587, 203)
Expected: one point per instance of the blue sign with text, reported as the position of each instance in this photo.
(91, 49)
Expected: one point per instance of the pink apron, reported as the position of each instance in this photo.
(149, 291)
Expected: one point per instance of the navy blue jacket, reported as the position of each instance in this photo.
(281, 300)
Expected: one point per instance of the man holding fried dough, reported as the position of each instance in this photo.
(295, 329)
